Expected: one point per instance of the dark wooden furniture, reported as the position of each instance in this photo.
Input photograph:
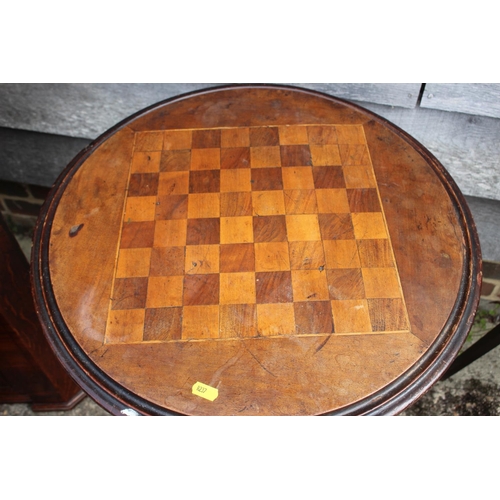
(279, 250)
(29, 370)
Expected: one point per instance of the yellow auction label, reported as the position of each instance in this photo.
(205, 391)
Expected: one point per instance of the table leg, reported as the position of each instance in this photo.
(481, 347)
(29, 369)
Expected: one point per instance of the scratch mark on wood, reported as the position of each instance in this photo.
(256, 359)
(322, 344)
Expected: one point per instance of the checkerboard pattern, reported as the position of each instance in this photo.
(253, 231)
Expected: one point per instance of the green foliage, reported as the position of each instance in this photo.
(486, 318)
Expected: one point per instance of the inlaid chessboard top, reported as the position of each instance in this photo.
(295, 253)
(249, 232)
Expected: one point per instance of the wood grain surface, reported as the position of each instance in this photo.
(297, 253)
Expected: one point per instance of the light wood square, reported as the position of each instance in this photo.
(359, 177)
(164, 291)
(309, 285)
(203, 205)
(354, 155)
(140, 208)
(325, 156)
(300, 201)
(235, 180)
(293, 134)
(369, 226)
(170, 233)
(205, 159)
(148, 141)
(145, 163)
(236, 230)
(307, 255)
(200, 322)
(341, 254)
(275, 319)
(202, 259)
(268, 203)
(177, 139)
(237, 288)
(272, 256)
(266, 156)
(322, 134)
(173, 183)
(235, 138)
(298, 178)
(381, 283)
(303, 227)
(350, 134)
(125, 326)
(351, 316)
(238, 320)
(332, 201)
(133, 262)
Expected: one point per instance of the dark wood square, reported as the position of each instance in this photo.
(328, 177)
(345, 284)
(164, 323)
(143, 185)
(167, 261)
(336, 226)
(313, 317)
(375, 253)
(171, 207)
(274, 287)
(266, 179)
(204, 181)
(203, 231)
(130, 293)
(387, 315)
(363, 200)
(235, 158)
(269, 228)
(296, 156)
(138, 234)
(175, 161)
(206, 139)
(201, 289)
(237, 258)
(264, 136)
(235, 204)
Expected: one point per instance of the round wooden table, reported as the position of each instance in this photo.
(256, 250)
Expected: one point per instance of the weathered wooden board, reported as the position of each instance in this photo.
(87, 110)
(34, 158)
(392, 94)
(80, 109)
(472, 98)
(486, 215)
(467, 146)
